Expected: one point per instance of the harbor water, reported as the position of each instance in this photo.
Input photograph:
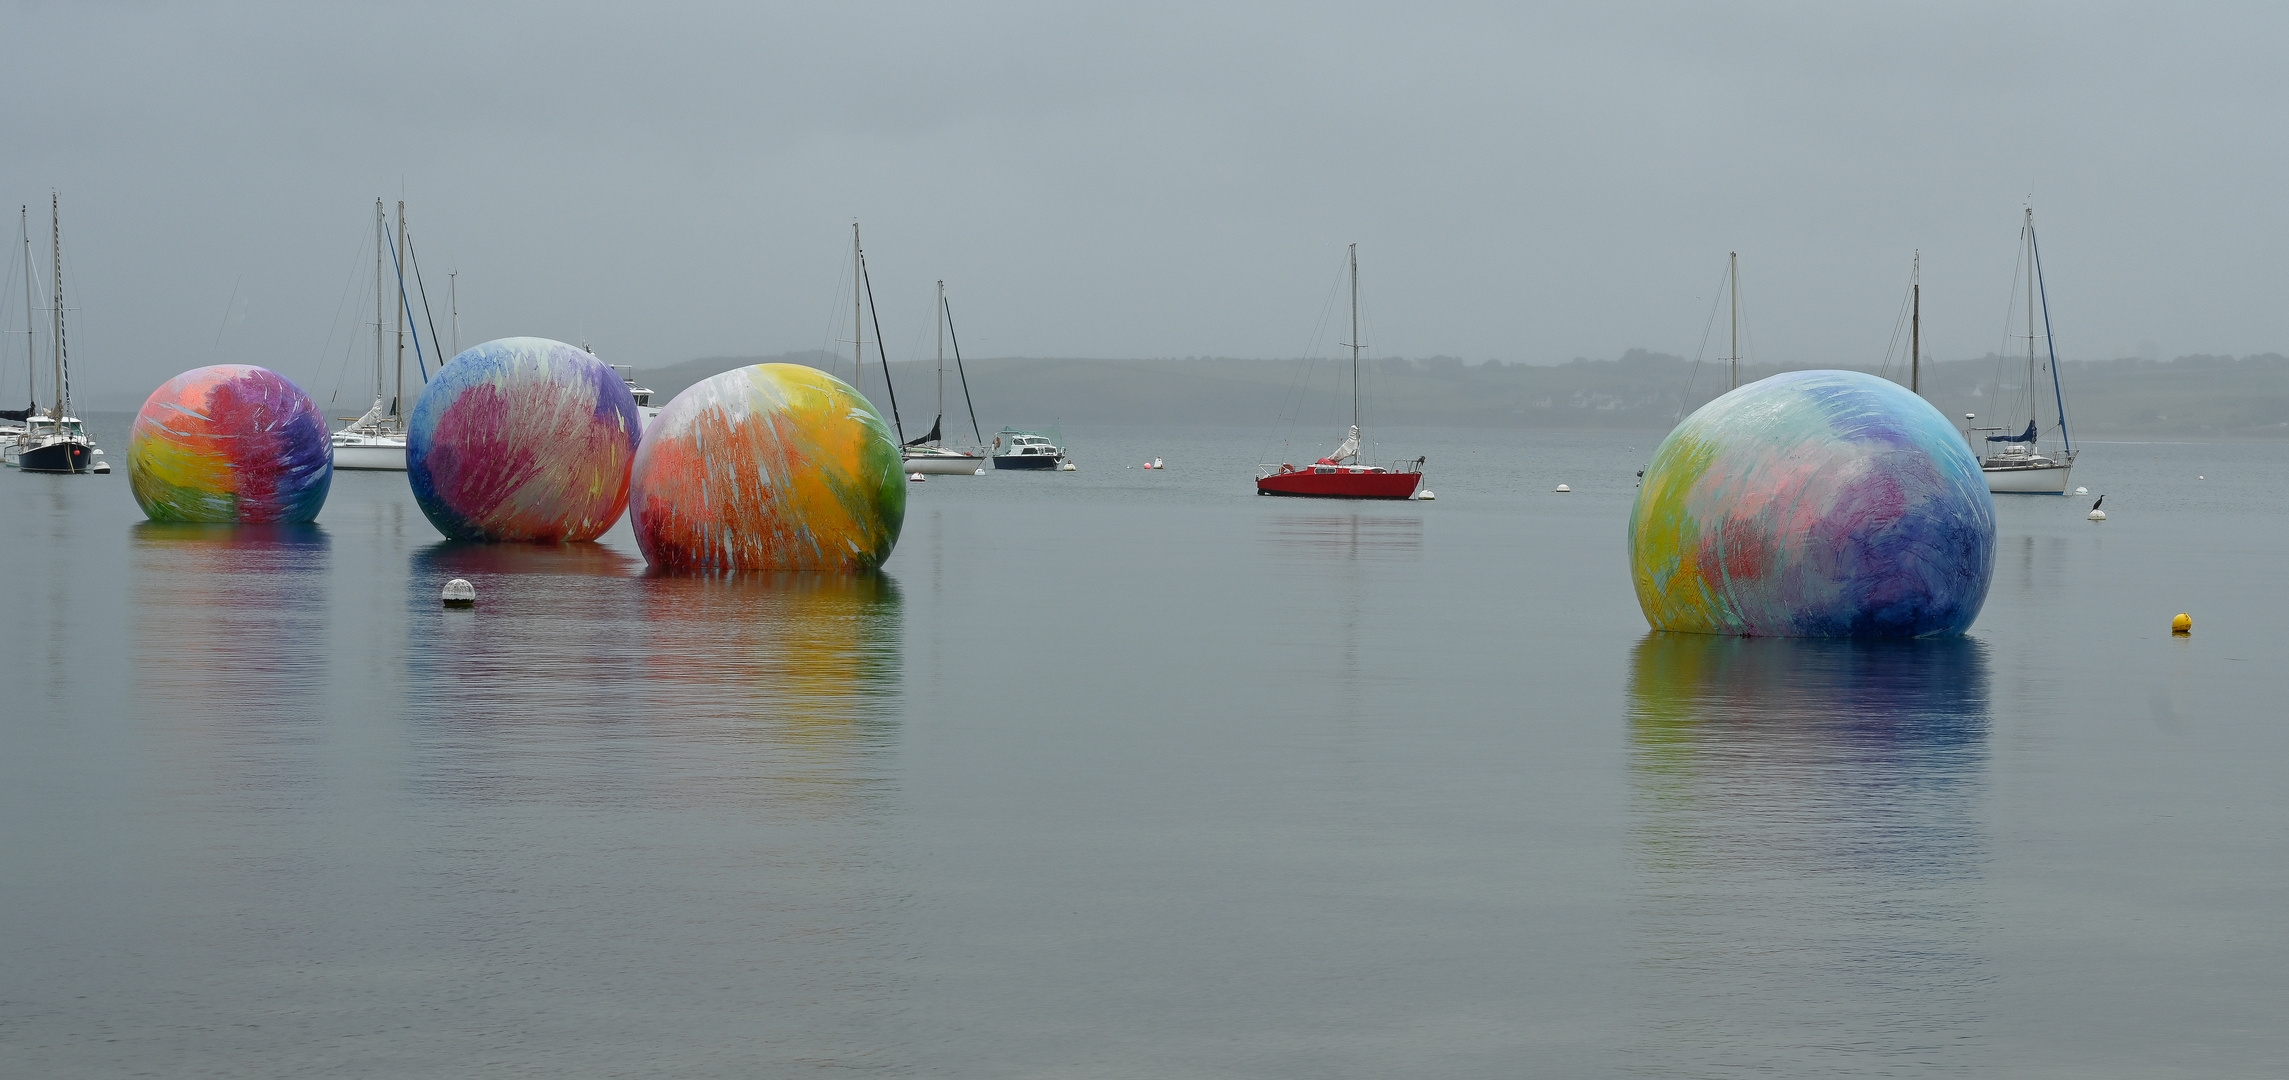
(1132, 773)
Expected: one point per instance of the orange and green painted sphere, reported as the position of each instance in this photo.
(769, 467)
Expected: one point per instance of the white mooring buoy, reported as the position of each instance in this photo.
(459, 593)
(2082, 491)
(1426, 496)
(1562, 487)
(1068, 467)
(980, 472)
(917, 478)
(2098, 515)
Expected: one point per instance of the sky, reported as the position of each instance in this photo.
(1525, 182)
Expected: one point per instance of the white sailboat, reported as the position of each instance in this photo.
(2015, 464)
(375, 441)
(929, 454)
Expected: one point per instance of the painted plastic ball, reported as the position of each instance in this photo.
(522, 439)
(1813, 504)
(230, 443)
(769, 467)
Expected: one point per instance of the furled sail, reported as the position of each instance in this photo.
(2027, 436)
(932, 437)
(25, 413)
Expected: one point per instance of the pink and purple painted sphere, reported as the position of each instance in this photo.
(523, 439)
(230, 443)
(1813, 504)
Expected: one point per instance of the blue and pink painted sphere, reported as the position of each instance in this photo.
(523, 439)
(1813, 504)
(230, 443)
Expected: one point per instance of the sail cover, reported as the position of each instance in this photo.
(24, 413)
(2026, 436)
(932, 437)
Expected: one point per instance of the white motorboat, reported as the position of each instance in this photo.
(645, 410)
(2016, 464)
(929, 454)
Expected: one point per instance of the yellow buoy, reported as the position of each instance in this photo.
(2183, 624)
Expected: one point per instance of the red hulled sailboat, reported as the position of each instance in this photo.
(1342, 474)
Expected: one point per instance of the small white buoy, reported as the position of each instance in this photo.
(917, 478)
(1426, 496)
(100, 467)
(980, 472)
(459, 593)
(1068, 467)
(2201, 478)
(2082, 491)
(1157, 465)
(1562, 487)
(2098, 515)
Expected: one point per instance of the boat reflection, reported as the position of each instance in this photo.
(1356, 535)
(1807, 821)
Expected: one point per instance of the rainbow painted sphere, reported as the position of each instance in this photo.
(230, 443)
(522, 439)
(1813, 504)
(770, 467)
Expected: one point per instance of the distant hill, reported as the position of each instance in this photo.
(2190, 397)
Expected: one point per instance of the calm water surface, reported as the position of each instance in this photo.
(1134, 774)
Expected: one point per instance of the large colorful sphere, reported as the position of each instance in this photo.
(522, 439)
(1813, 504)
(770, 467)
(230, 443)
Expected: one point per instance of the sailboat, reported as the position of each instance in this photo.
(2015, 464)
(375, 441)
(1341, 474)
(928, 454)
(56, 441)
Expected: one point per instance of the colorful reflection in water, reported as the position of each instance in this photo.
(1811, 858)
(230, 647)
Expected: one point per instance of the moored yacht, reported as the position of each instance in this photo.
(1015, 449)
(54, 441)
(929, 454)
(2015, 464)
(1342, 474)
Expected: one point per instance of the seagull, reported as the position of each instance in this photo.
(2101, 499)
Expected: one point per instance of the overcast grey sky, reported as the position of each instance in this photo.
(1529, 183)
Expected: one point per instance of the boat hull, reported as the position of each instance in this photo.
(1025, 461)
(1340, 484)
(369, 458)
(61, 456)
(940, 465)
(2033, 480)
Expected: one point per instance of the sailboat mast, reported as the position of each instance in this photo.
(381, 294)
(1915, 327)
(31, 352)
(941, 353)
(1355, 337)
(1733, 274)
(397, 403)
(453, 298)
(857, 312)
(56, 275)
(2028, 231)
